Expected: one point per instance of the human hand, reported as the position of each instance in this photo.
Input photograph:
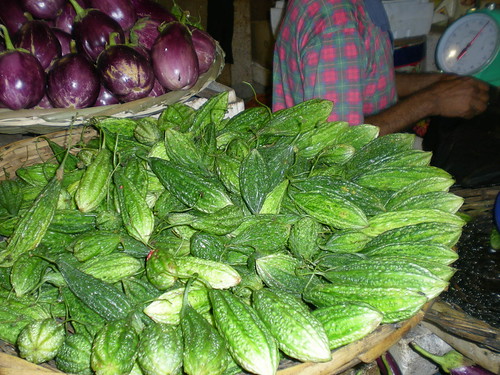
(459, 96)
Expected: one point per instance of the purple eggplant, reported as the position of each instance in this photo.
(153, 10)
(125, 72)
(12, 15)
(65, 41)
(66, 17)
(205, 48)
(44, 9)
(44, 103)
(22, 78)
(145, 31)
(387, 365)
(157, 89)
(174, 58)
(92, 29)
(73, 82)
(105, 97)
(37, 37)
(121, 11)
(453, 362)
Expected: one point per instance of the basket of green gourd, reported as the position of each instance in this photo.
(258, 243)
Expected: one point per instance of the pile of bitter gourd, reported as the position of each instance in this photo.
(203, 244)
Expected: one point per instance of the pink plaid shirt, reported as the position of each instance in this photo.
(331, 49)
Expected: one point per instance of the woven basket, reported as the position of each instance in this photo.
(43, 121)
(477, 201)
(36, 150)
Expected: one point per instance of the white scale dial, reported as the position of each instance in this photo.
(468, 45)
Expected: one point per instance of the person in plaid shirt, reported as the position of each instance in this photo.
(341, 50)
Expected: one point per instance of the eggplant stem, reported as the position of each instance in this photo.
(8, 42)
(78, 9)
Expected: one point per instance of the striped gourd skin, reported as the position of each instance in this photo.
(33, 224)
(160, 349)
(298, 333)
(205, 350)
(137, 217)
(192, 188)
(249, 340)
(114, 348)
(395, 304)
(92, 188)
(101, 297)
(388, 274)
(74, 355)
(336, 212)
(166, 308)
(40, 340)
(346, 322)
(396, 219)
(424, 250)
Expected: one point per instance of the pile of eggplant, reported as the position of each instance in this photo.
(87, 53)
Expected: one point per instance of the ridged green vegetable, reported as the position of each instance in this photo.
(217, 275)
(396, 304)
(40, 340)
(160, 350)
(11, 197)
(358, 136)
(303, 239)
(72, 221)
(423, 249)
(26, 274)
(205, 350)
(113, 267)
(346, 241)
(336, 212)
(254, 181)
(101, 297)
(114, 348)
(439, 233)
(95, 243)
(182, 150)
(249, 341)
(396, 178)
(298, 119)
(167, 307)
(74, 355)
(93, 186)
(396, 219)
(388, 274)
(272, 201)
(157, 265)
(298, 333)
(282, 271)
(421, 186)
(346, 322)
(220, 222)
(33, 224)
(17, 312)
(137, 217)
(202, 192)
(201, 242)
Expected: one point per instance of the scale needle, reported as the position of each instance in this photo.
(466, 48)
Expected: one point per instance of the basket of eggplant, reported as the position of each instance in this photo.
(64, 61)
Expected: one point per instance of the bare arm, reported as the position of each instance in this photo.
(409, 83)
(452, 96)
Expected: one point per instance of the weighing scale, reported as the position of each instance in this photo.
(471, 44)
